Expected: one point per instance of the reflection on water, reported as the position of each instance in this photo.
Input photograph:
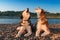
(15, 21)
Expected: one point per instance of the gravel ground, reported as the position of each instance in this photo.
(8, 31)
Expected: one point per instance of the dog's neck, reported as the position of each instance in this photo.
(38, 15)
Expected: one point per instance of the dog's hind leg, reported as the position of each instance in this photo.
(20, 32)
(46, 30)
(29, 31)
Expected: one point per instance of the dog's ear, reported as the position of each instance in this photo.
(42, 11)
(27, 10)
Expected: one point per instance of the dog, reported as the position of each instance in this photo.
(25, 24)
(42, 23)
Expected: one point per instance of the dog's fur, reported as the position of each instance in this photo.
(25, 24)
(42, 23)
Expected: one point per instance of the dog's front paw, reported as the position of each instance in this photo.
(16, 36)
(18, 28)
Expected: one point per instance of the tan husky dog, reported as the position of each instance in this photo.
(42, 23)
(25, 25)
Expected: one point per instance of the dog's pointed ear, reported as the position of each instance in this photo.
(27, 10)
(42, 11)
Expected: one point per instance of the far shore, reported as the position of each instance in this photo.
(18, 17)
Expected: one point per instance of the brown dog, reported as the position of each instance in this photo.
(25, 25)
(42, 23)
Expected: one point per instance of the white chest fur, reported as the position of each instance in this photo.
(26, 16)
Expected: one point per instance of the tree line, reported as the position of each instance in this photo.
(18, 13)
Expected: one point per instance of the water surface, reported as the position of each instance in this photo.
(15, 21)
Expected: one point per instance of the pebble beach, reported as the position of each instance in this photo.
(8, 31)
